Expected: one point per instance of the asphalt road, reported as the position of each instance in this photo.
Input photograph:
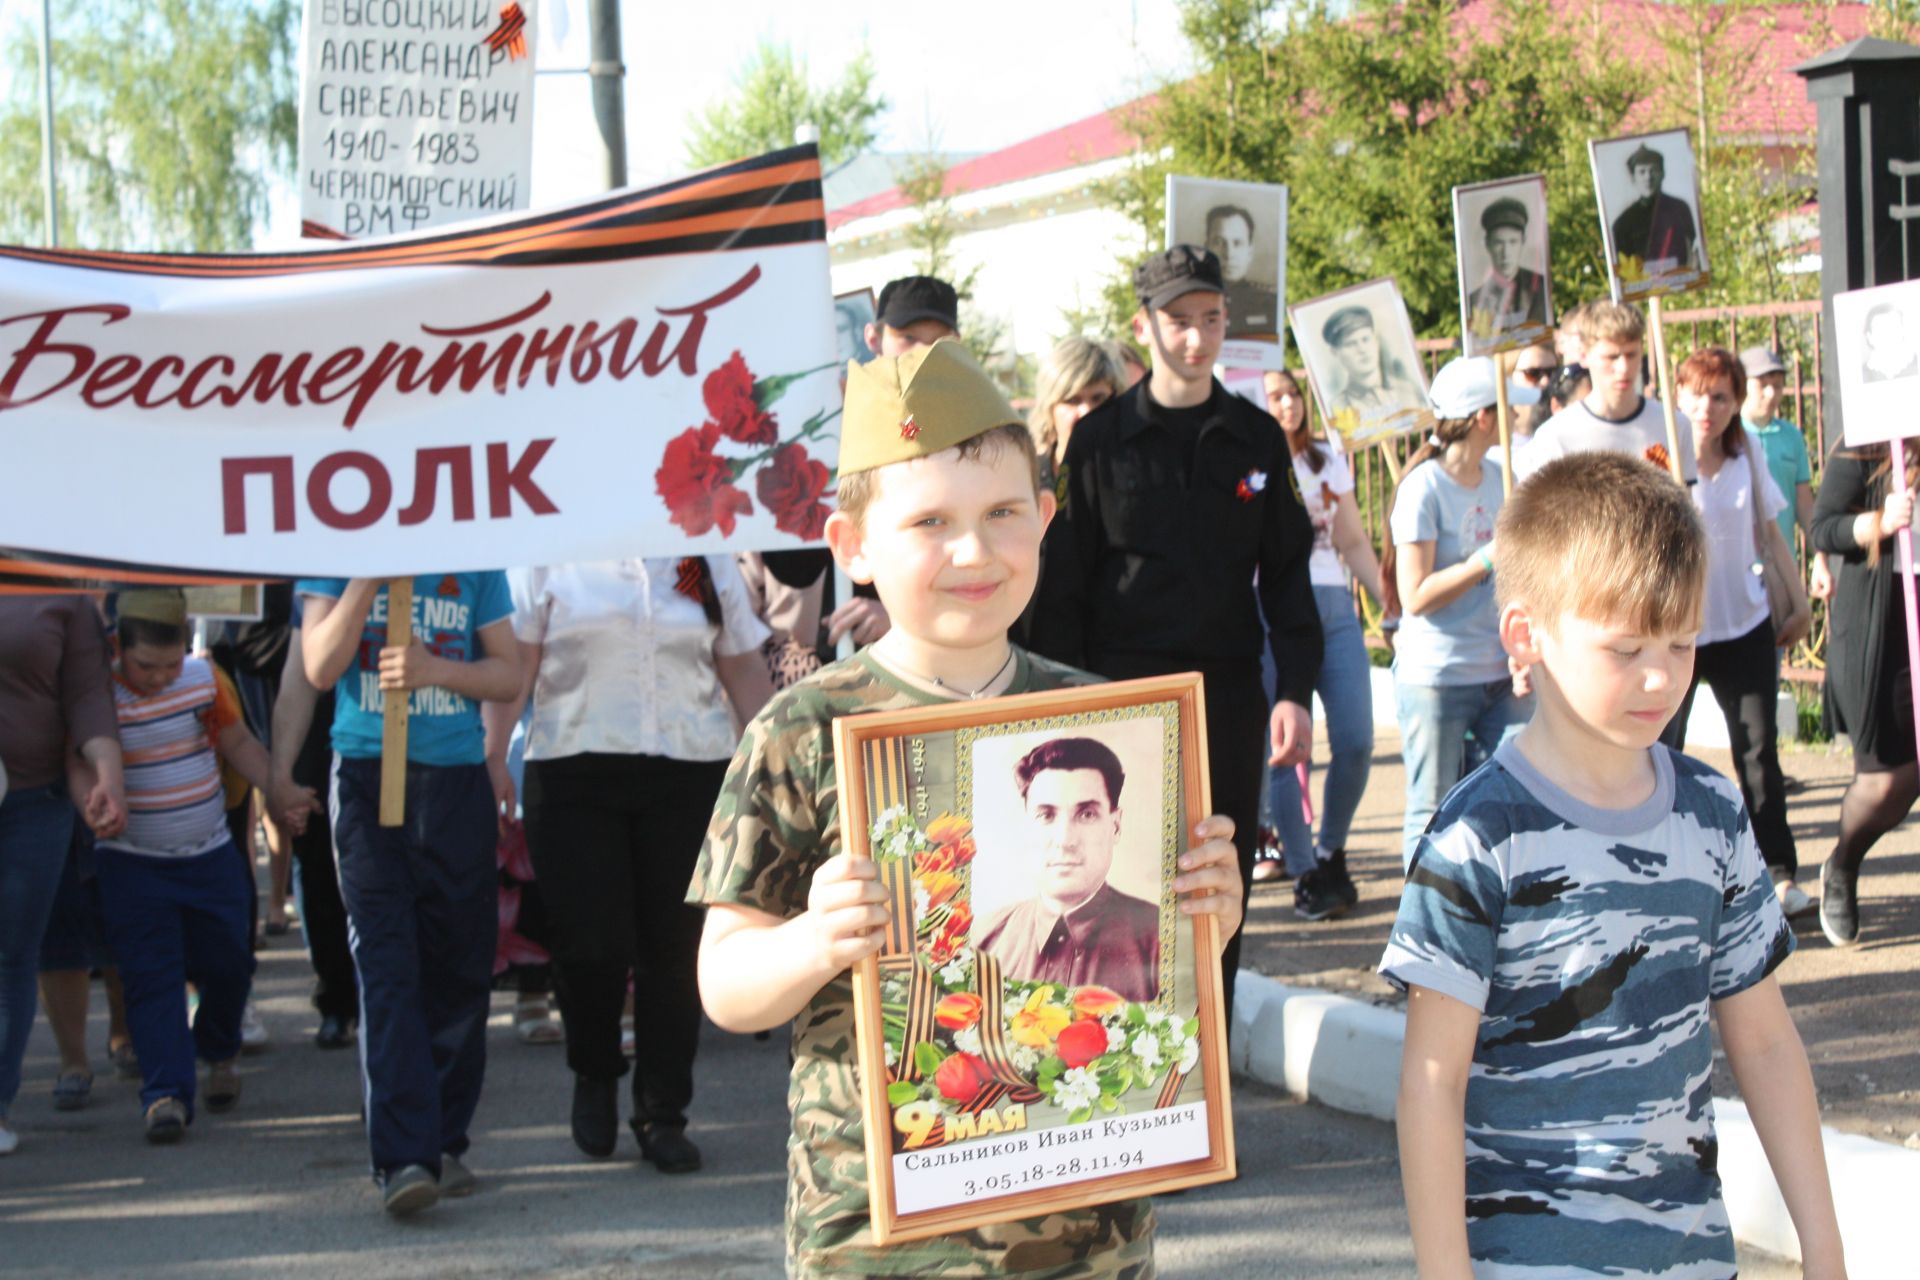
(277, 1187)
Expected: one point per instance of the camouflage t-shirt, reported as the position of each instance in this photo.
(776, 821)
(1594, 942)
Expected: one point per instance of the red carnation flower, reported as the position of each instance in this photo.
(791, 486)
(698, 484)
(728, 392)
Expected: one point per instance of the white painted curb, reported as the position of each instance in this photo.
(1345, 1053)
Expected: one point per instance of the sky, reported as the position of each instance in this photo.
(971, 77)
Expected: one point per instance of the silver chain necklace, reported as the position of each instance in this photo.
(943, 686)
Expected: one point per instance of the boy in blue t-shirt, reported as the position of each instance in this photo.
(420, 897)
(1574, 911)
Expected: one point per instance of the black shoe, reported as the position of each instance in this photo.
(596, 1115)
(1315, 898)
(335, 1032)
(1839, 905)
(667, 1147)
(1334, 870)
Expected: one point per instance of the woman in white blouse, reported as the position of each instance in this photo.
(1735, 653)
(640, 672)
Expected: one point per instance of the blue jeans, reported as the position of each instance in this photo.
(171, 921)
(36, 824)
(1434, 723)
(1346, 695)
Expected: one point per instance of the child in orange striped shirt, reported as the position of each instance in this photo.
(171, 886)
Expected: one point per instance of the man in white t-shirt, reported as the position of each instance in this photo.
(1615, 417)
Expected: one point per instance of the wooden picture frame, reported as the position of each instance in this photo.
(1490, 322)
(989, 1097)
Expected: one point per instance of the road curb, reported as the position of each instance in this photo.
(1345, 1053)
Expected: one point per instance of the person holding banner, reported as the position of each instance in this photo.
(1735, 648)
(638, 671)
(1860, 509)
(421, 897)
(1458, 699)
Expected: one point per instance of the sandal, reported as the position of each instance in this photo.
(72, 1090)
(533, 1022)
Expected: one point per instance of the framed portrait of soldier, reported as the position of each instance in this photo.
(1649, 192)
(1877, 350)
(1363, 363)
(852, 313)
(1245, 225)
(1500, 238)
(1042, 1029)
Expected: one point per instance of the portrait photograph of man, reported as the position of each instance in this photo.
(1067, 881)
(1889, 345)
(1245, 225)
(852, 313)
(1876, 335)
(1363, 363)
(1501, 236)
(1649, 208)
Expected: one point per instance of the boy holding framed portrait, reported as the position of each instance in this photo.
(939, 508)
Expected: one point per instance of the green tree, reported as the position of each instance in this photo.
(773, 99)
(1371, 113)
(170, 118)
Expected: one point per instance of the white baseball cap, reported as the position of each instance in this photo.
(1463, 387)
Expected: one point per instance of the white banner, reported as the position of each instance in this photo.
(648, 373)
(414, 113)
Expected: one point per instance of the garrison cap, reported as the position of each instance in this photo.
(165, 605)
(1644, 154)
(917, 404)
(1504, 212)
(1175, 273)
(1343, 323)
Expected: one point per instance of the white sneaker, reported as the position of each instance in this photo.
(1793, 899)
(9, 1140)
(253, 1032)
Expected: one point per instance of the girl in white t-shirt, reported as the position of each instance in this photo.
(1735, 652)
(1321, 885)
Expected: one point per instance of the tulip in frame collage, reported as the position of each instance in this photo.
(1042, 1029)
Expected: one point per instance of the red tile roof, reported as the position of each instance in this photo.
(1775, 104)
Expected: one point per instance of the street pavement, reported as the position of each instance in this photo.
(277, 1186)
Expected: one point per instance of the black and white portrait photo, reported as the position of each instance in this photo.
(1067, 880)
(1877, 350)
(852, 313)
(1245, 225)
(1650, 212)
(1500, 233)
(1363, 363)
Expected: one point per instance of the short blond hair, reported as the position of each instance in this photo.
(1607, 537)
(858, 488)
(1608, 321)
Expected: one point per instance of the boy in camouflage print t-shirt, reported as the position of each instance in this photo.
(940, 509)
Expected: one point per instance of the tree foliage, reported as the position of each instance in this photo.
(773, 99)
(170, 118)
(923, 181)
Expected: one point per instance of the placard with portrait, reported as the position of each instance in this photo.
(1244, 224)
(1649, 192)
(1364, 364)
(1500, 238)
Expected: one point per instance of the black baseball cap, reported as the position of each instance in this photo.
(1174, 273)
(912, 298)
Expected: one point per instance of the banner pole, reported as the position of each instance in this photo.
(1506, 428)
(395, 708)
(1905, 539)
(1665, 383)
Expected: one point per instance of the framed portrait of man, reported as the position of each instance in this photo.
(1363, 363)
(852, 313)
(1649, 192)
(1043, 1028)
(1500, 236)
(1877, 349)
(1245, 225)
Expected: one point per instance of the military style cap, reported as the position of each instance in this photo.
(1343, 322)
(1504, 212)
(1644, 154)
(165, 605)
(1175, 273)
(912, 298)
(915, 405)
